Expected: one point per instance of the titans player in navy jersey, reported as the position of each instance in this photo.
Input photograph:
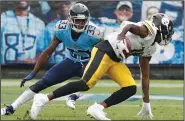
(79, 37)
(59, 53)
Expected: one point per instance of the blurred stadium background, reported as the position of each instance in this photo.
(167, 64)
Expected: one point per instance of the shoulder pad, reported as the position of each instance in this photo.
(151, 27)
(61, 25)
(94, 30)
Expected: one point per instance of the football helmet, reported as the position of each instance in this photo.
(78, 17)
(165, 28)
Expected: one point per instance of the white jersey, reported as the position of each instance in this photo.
(137, 43)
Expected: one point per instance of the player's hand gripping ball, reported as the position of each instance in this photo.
(127, 45)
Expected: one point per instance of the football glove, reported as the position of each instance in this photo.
(27, 78)
(120, 47)
(146, 112)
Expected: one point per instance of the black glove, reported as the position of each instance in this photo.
(27, 78)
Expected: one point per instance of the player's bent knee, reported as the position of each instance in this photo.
(39, 86)
(84, 86)
(131, 90)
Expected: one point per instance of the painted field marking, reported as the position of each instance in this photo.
(99, 97)
(100, 84)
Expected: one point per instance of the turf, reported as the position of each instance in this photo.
(56, 110)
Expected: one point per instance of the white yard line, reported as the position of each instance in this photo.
(119, 105)
(153, 97)
(100, 84)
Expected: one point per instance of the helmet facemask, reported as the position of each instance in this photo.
(79, 17)
(78, 23)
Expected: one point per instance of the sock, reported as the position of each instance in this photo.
(24, 97)
(120, 95)
(75, 96)
(79, 94)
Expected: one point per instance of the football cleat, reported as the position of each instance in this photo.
(96, 111)
(7, 111)
(39, 101)
(70, 102)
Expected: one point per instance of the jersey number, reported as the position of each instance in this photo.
(62, 25)
(91, 30)
(77, 54)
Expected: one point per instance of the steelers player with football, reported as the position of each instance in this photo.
(137, 39)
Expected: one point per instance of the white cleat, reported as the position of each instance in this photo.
(3, 111)
(96, 111)
(70, 103)
(39, 101)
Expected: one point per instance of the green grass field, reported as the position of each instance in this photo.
(166, 101)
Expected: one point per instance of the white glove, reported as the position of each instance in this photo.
(121, 45)
(145, 112)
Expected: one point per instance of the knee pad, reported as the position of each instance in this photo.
(39, 86)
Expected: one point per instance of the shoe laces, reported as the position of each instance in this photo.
(8, 110)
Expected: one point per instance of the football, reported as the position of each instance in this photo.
(127, 43)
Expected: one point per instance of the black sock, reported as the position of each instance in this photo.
(120, 95)
(70, 88)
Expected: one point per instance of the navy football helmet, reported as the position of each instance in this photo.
(79, 17)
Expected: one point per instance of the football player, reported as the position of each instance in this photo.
(59, 53)
(106, 58)
(79, 37)
(22, 38)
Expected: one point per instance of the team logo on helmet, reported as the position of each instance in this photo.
(165, 28)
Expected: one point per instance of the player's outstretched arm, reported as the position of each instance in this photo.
(145, 112)
(45, 55)
(42, 60)
(141, 31)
